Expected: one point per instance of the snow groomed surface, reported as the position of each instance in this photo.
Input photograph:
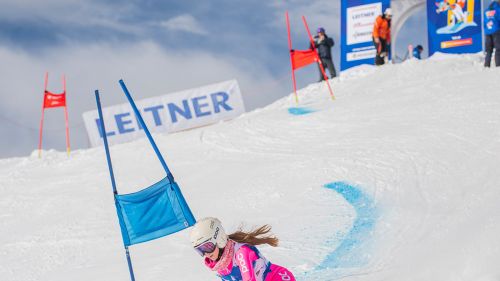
(411, 152)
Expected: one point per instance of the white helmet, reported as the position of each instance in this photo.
(388, 12)
(208, 231)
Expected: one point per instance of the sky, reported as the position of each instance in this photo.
(157, 47)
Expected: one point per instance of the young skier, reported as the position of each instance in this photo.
(234, 257)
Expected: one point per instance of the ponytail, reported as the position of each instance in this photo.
(255, 237)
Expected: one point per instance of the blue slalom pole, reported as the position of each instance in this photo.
(111, 174)
(146, 130)
(105, 139)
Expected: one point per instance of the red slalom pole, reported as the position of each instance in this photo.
(291, 58)
(40, 138)
(41, 120)
(66, 116)
(46, 82)
(318, 60)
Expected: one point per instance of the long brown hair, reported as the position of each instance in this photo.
(255, 237)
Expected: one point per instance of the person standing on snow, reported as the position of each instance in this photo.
(324, 45)
(417, 52)
(492, 33)
(234, 257)
(382, 36)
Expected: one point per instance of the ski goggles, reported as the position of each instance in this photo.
(206, 247)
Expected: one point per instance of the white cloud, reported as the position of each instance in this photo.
(185, 23)
(70, 12)
(317, 13)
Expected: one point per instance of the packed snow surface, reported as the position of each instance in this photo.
(395, 179)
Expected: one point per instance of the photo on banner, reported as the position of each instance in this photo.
(357, 20)
(454, 26)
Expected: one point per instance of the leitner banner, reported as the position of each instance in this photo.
(357, 20)
(454, 26)
(168, 113)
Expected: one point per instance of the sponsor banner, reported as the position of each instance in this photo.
(357, 20)
(361, 55)
(454, 26)
(168, 113)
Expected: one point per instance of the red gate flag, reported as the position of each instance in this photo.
(54, 100)
(51, 100)
(301, 58)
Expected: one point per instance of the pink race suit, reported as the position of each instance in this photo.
(247, 264)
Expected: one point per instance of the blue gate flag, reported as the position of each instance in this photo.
(151, 213)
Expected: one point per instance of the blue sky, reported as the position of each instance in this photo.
(156, 46)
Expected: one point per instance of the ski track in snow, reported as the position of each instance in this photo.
(300, 110)
(354, 248)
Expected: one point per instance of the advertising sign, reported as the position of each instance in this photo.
(454, 26)
(168, 113)
(357, 20)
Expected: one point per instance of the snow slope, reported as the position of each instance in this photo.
(397, 179)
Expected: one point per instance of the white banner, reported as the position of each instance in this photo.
(361, 55)
(168, 113)
(360, 20)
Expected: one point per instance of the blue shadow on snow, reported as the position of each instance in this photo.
(352, 251)
(300, 110)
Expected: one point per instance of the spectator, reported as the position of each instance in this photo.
(492, 33)
(417, 52)
(324, 45)
(382, 36)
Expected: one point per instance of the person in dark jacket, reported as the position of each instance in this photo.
(324, 45)
(492, 33)
(417, 52)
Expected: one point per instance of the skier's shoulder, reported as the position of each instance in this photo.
(246, 250)
(243, 247)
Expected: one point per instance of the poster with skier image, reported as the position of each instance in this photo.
(454, 26)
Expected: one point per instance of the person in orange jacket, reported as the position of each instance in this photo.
(382, 36)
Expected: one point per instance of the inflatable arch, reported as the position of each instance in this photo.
(402, 11)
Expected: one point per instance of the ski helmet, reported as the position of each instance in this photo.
(207, 234)
(321, 30)
(388, 12)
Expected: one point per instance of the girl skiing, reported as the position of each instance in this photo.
(234, 257)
